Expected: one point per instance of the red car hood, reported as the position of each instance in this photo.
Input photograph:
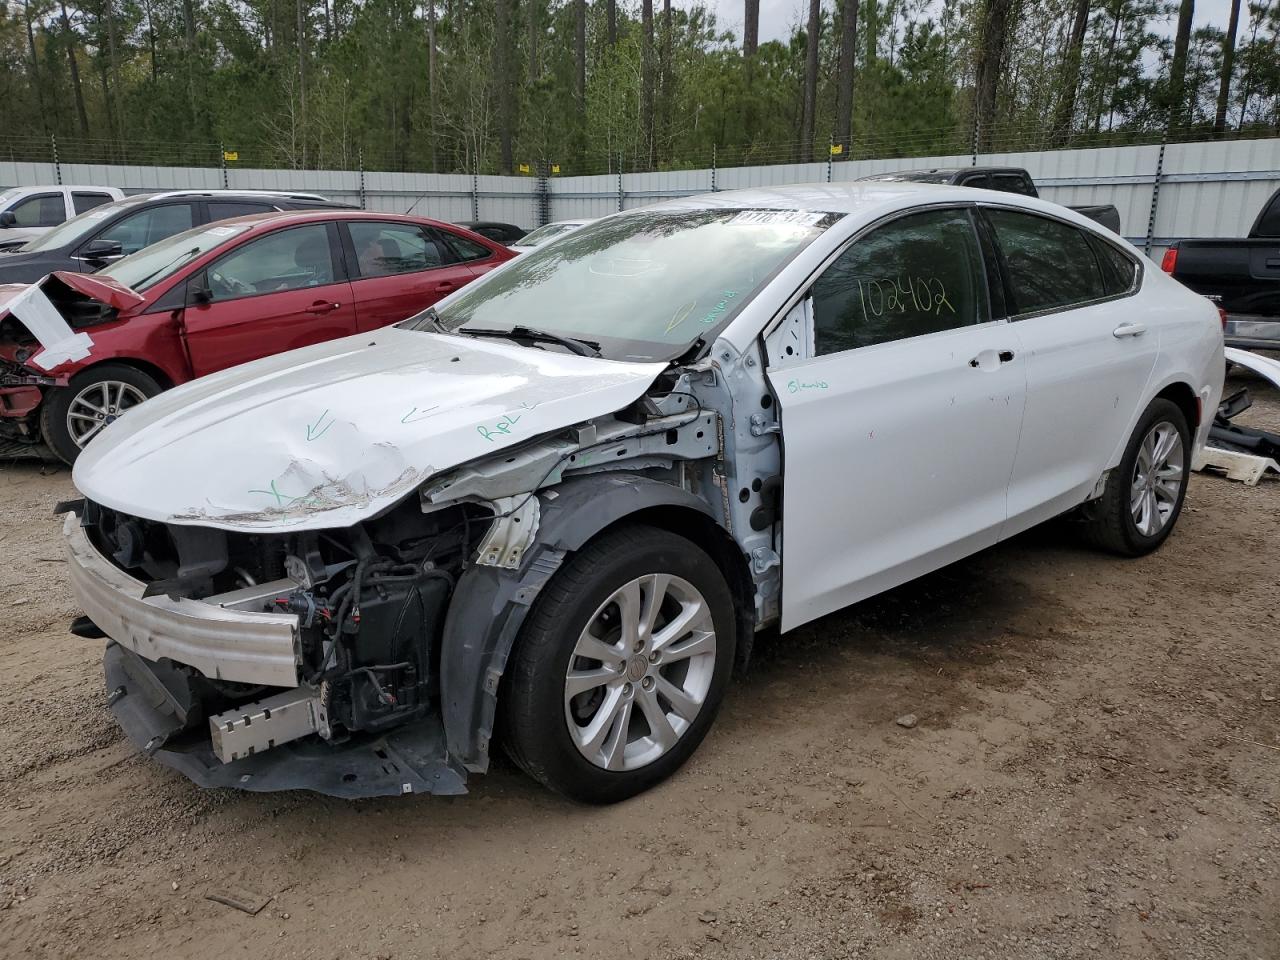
(33, 307)
(102, 289)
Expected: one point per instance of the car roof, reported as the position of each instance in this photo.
(137, 198)
(852, 196)
(58, 186)
(275, 217)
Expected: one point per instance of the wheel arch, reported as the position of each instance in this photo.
(1180, 393)
(155, 372)
(490, 604)
(1177, 389)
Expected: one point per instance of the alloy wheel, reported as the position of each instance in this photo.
(1158, 476)
(97, 405)
(640, 672)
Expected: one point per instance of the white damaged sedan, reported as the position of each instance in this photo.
(556, 508)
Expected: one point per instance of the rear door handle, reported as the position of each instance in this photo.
(323, 306)
(1128, 330)
(990, 359)
(444, 286)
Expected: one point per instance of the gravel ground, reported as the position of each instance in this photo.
(1094, 770)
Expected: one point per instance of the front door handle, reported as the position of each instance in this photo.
(444, 286)
(323, 306)
(1129, 330)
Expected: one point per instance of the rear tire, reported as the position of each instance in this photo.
(74, 415)
(621, 667)
(1144, 495)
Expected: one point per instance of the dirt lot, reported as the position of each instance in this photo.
(1095, 772)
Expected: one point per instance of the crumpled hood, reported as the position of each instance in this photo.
(331, 434)
(30, 304)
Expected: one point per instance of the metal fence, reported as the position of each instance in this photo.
(1163, 191)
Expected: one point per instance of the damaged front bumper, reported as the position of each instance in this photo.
(212, 635)
(411, 759)
(280, 740)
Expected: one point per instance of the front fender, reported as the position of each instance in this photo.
(490, 603)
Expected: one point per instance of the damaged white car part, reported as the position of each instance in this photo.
(564, 500)
(1242, 453)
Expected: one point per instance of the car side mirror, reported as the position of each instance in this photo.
(7, 219)
(198, 293)
(102, 250)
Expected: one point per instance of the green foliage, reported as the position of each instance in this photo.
(333, 83)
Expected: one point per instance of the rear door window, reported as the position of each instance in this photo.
(920, 274)
(86, 200)
(386, 249)
(1049, 265)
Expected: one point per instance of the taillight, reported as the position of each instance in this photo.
(1222, 315)
(1170, 260)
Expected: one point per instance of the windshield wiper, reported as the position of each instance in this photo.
(583, 348)
(194, 251)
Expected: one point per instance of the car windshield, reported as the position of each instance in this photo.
(74, 229)
(914, 176)
(9, 194)
(152, 264)
(543, 234)
(645, 285)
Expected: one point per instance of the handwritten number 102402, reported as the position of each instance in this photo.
(925, 294)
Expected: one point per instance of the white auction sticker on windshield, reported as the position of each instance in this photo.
(225, 231)
(802, 218)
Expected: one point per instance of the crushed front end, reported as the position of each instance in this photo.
(275, 661)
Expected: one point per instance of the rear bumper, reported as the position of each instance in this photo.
(211, 635)
(411, 759)
(1252, 332)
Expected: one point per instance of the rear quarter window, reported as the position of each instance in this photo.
(1119, 272)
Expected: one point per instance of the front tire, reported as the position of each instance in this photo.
(1144, 494)
(74, 415)
(621, 667)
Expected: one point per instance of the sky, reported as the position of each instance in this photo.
(778, 16)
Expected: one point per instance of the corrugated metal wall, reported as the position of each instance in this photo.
(1205, 189)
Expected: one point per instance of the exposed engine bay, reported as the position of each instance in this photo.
(381, 645)
(369, 603)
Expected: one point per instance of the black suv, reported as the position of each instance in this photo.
(104, 234)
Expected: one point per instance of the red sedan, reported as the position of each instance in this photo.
(214, 297)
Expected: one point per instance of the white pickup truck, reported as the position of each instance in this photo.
(27, 212)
